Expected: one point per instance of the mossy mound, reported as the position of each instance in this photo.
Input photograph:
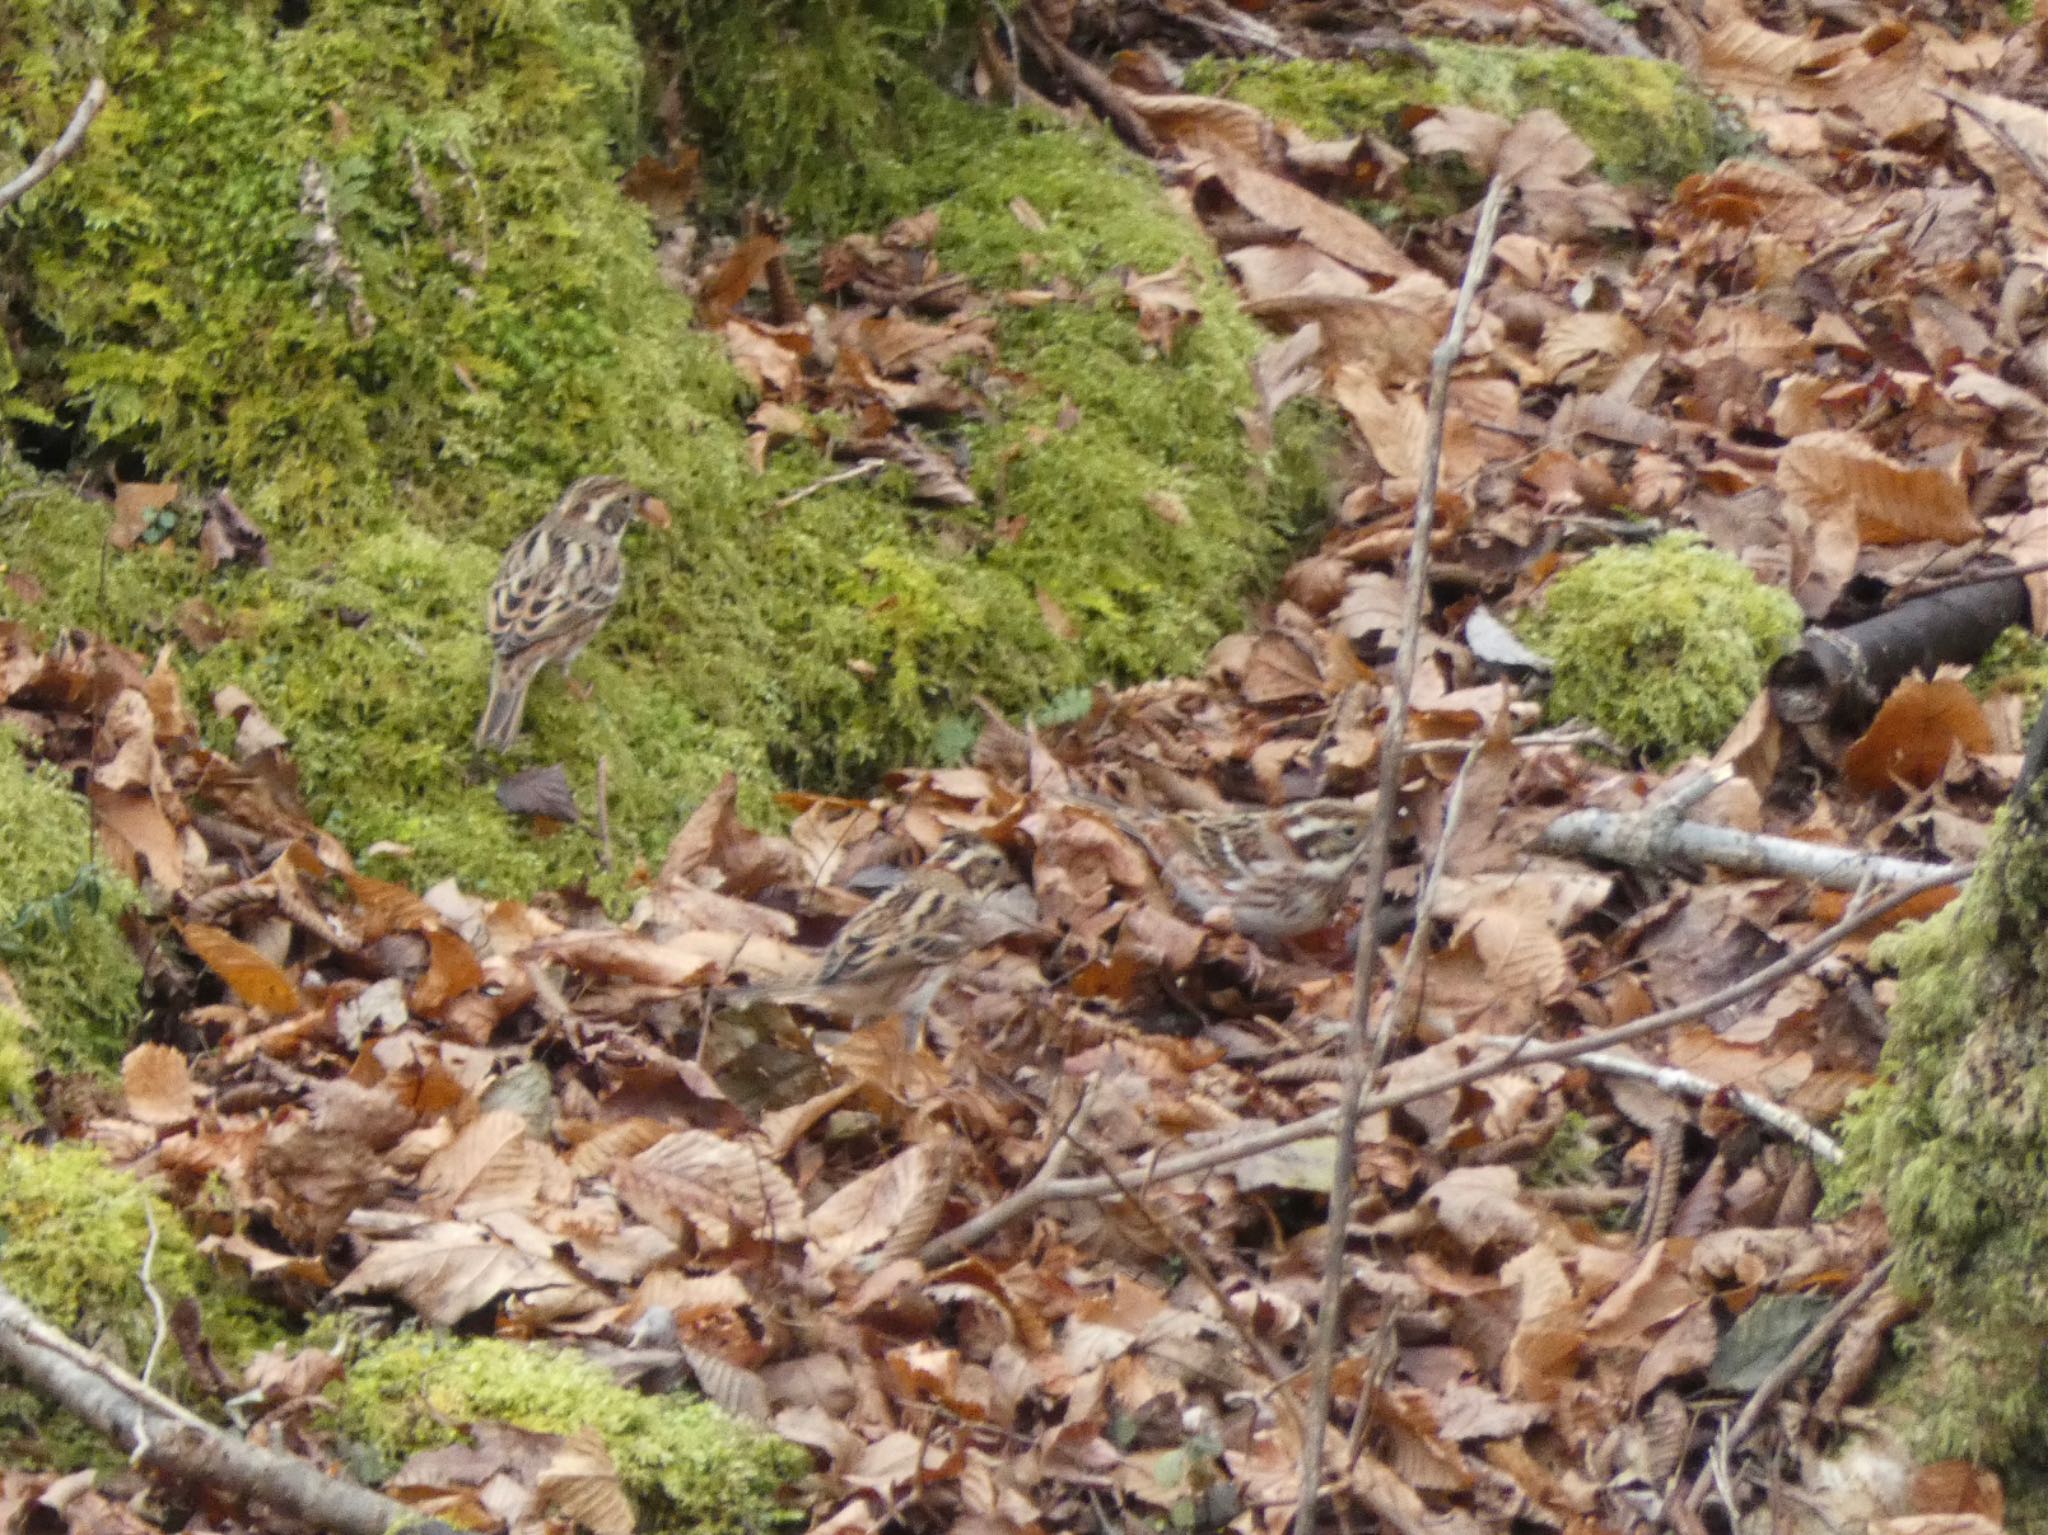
(60, 934)
(374, 273)
(1643, 120)
(1954, 1140)
(72, 1239)
(686, 1465)
(1662, 647)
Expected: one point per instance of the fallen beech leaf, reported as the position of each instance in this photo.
(249, 974)
(540, 791)
(452, 970)
(582, 1484)
(158, 1085)
(452, 1270)
(1916, 731)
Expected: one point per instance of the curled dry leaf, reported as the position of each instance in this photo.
(1916, 733)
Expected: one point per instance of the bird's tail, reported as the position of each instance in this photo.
(500, 724)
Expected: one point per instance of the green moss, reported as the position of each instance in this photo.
(165, 307)
(1643, 120)
(2017, 662)
(1663, 647)
(1570, 1157)
(1954, 1139)
(60, 928)
(793, 99)
(72, 1238)
(686, 1465)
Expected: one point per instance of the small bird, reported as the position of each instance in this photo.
(1264, 874)
(555, 589)
(899, 951)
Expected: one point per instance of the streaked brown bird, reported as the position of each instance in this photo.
(1266, 874)
(898, 952)
(556, 587)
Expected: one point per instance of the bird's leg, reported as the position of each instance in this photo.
(917, 1007)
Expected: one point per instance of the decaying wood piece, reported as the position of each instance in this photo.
(1830, 687)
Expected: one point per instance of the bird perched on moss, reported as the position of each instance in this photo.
(555, 589)
(1265, 874)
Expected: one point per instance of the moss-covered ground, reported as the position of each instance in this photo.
(1643, 120)
(1954, 1140)
(489, 322)
(687, 1466)
(60, 935)
(73, 1235)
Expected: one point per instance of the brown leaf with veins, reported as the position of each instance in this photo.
(158, 1085)
(1915, 733)
(582, 1484)
(249, 975)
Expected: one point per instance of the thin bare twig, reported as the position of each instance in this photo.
(1362, 1061)
(865, 467)
(156, 1301)
(1064, 1144)
(65, 145)
(1686, 1084)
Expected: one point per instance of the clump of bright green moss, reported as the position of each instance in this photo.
(490, 322)
(1662, 647)
(687, 1466)
(1643, 120)
(72, 1238)
(60, 931)
(1954, 1141)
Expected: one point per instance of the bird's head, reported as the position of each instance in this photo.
(1329, 834)
(606, 504)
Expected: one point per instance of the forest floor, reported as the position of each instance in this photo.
(1062, 1268)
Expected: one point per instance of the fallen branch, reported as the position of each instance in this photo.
(1043, 1191)
(1091, 83)
(1654, 839)
(1368, 1047)
(55, 154)
(1680, 1083)
(156, 1432)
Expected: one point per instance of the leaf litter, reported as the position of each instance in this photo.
(525, 1118)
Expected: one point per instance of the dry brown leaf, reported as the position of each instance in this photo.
(449, 1271)
(249, 975)
(1916, 731)
(1893, 503)
(158, 1085)
(582, 1484)
(1332, 230)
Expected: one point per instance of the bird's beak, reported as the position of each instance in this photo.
(655, 510)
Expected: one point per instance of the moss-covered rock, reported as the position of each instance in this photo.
(60, 933)
(687, 1466)
(1643, 120)
(374, 272)
(1662, 647)
(1954, 1140)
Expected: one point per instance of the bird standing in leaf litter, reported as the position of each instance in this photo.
(555, 589)
(1265, 874)
(897, 953)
